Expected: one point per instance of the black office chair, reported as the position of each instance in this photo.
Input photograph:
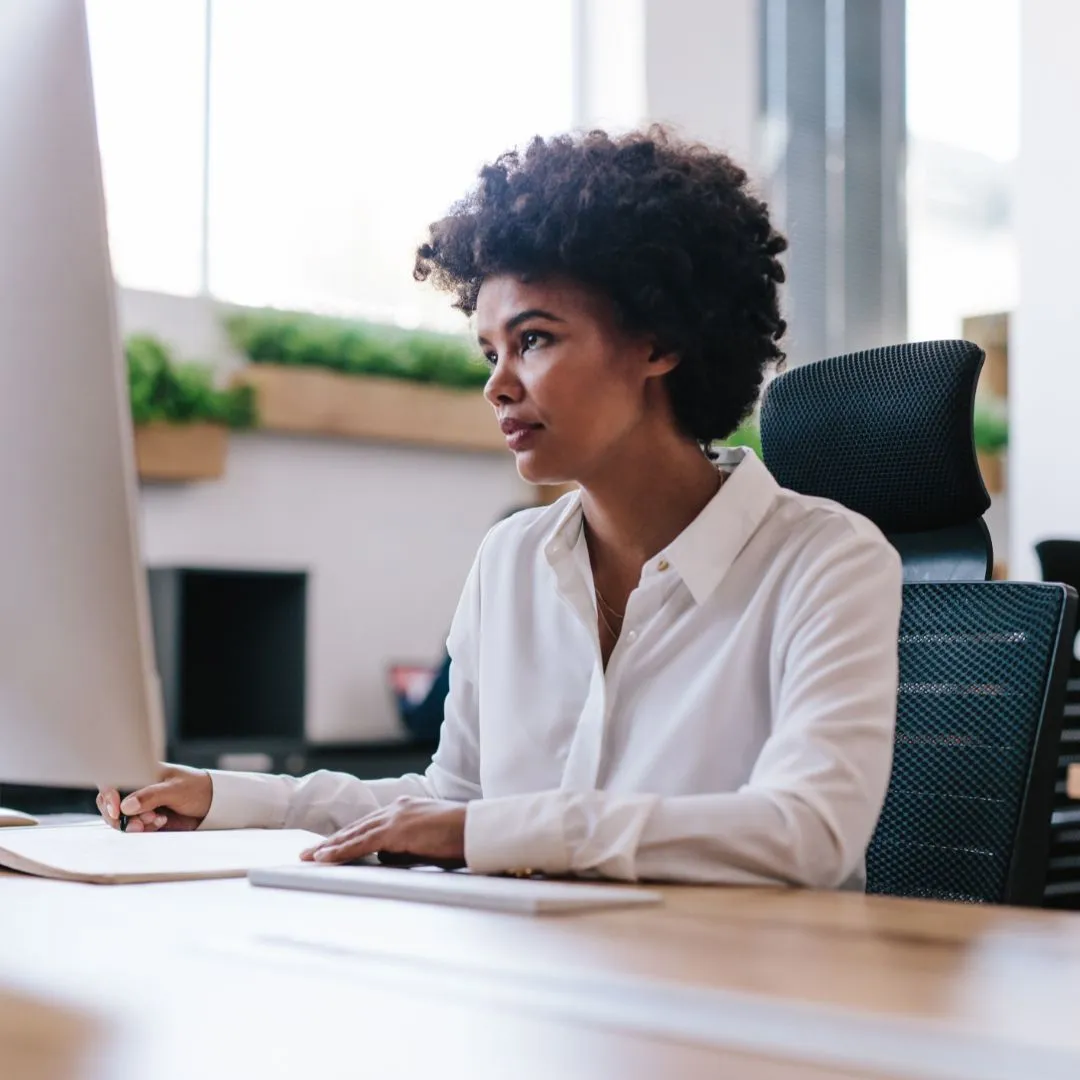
(1060, 561)
(888, 432)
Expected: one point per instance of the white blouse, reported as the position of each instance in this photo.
(741, 733)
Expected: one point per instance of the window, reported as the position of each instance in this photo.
(963, 124)
(149, 62)
(337, 131)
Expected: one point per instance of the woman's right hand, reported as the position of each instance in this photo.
(177, 802)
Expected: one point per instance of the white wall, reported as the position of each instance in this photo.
(387, 534)
(1044, 359)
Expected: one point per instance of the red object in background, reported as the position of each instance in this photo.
(411, 682)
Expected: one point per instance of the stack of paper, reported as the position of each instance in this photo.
(102, 855)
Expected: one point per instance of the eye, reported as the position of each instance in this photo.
(492, 358)
(532, 339)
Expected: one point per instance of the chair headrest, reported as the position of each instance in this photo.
(1060, 561)
(886, 432)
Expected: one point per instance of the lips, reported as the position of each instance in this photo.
(510, 426)
(519, 434)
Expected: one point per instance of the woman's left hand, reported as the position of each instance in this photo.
(428, 828)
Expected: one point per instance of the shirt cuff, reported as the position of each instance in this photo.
(246, 801)
(517, 832)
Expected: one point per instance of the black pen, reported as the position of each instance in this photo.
(123, 822)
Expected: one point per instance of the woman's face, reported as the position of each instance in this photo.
(571, 389)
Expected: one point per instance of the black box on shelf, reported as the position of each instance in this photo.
(231, 653)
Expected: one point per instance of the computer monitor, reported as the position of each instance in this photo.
(79, 702)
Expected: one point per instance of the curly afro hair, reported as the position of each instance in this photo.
(668, 230)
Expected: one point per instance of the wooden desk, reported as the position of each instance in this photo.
(214, 979)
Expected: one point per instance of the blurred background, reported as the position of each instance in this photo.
(316, 477)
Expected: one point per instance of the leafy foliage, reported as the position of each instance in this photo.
(355, 348)
(746, 434)
(991, 425)
(161, 389)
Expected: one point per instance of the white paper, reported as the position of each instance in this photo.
(98, 853)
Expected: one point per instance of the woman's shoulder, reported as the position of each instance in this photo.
(820, 531)
(532, 524)
(532, 530)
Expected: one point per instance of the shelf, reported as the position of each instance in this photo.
(180, 452)
(317, 402)
(992, 467)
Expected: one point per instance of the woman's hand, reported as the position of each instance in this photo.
(177, 802)
(426, 828)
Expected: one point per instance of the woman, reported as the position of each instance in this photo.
(680, 671)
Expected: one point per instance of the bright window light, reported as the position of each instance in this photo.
(339, 130)
(963, 101)
(148, 63)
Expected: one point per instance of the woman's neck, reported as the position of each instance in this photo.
(635, 508)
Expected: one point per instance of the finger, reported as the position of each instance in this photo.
(356, 847)
(109, 802)
(147, 823)
(102, 805)
(180, 823)
(148, 798)
(150, 820)
(338, 839)
(349, 832)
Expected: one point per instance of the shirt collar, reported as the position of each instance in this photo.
(567, 531)
(703, 552)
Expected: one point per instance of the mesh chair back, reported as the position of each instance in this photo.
(1060, 561)
(888, 433)
(967, 815)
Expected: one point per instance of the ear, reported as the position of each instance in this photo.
(661, 361)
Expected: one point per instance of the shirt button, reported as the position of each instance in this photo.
(662, 565)
(632, 636)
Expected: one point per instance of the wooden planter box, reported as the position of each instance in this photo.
(992, 467)
(317, 402)
(179, 452)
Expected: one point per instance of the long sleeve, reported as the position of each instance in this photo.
(326, 801)
(807, 812)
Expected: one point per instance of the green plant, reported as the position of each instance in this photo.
(991, 423)
(161, 389)
(746, 434)
(354, 348)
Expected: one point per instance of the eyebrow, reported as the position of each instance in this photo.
(524, 316)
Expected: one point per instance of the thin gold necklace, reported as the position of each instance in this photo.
(602, 603)
(600, 609)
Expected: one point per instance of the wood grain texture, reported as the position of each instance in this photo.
(315, 402)
(46, 1041)
(991, 334)
(181, 452)
(832, 984)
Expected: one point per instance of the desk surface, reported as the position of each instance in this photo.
(221, 979)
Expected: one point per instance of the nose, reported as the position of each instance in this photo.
(503, 386)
